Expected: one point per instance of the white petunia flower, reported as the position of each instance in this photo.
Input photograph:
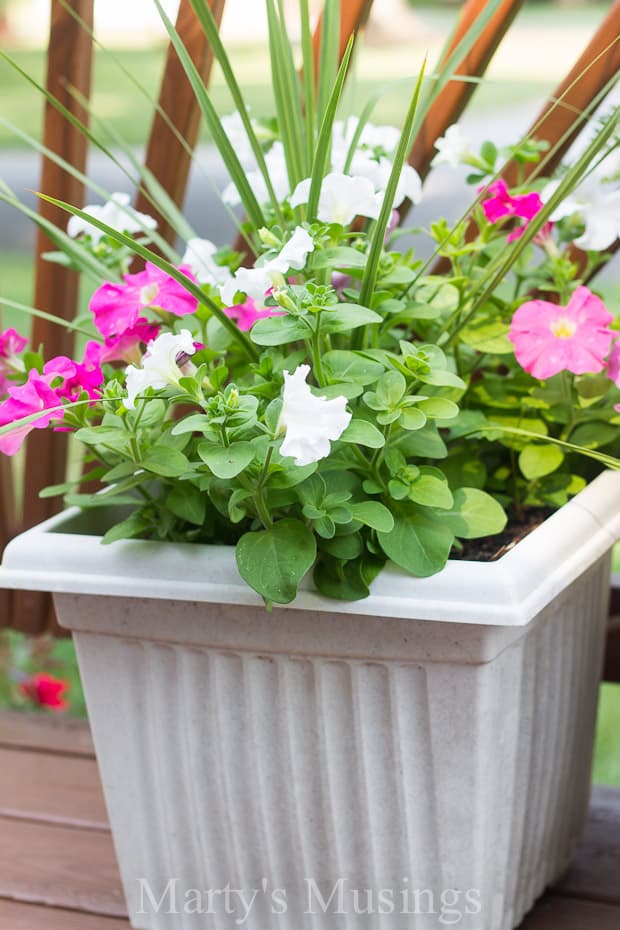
(371, 138)
(596, 206)
(342, 198)
(275, 163)
(453, 148)
(199, 256)
(160, 366)
(232, 124)
(378, 171)
(310, 423)
(296, 251)
(255, 282)
(115, 213)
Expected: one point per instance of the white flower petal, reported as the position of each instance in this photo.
(116, 213)
(452, 148)
(199, 256)
(254, 282)
(310, 422)
(301, 193)
(295, 252)
(159, 365)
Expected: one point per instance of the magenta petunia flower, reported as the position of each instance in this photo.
(502, 204)
(23, 401)
(11, 344)
(127, 347)
(118, 307)
(549, 339)
(246, 315)
(613, 363)
(78, 376)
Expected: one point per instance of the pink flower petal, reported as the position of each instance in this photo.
(549, 338)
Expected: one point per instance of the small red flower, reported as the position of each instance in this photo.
(46, 691)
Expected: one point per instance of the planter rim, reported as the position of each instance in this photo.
(509, 591)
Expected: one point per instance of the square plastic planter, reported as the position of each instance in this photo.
(416, 760)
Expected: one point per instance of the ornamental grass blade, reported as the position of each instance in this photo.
(82, 258)
(447, 68)
(328, 55)
(165, 266)
(379, 231)
(221, 140)
(43, 315)
(64, 111)
(287, 97)
(209, 26)
(324, 143)
(308, 80)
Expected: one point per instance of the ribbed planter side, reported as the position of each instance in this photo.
(449, 770)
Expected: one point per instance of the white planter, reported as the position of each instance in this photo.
(431, 743)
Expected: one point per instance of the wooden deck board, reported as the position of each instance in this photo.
(57, 865)
(555, 913)
(595, 873)
(72, 794)
(15, 915)
(60, 867)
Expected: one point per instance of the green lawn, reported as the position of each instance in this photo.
(540, 47)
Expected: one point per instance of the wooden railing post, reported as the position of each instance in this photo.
(166, 156)
(69, 66)
(452, 100)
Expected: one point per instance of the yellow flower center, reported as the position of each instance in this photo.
(148, 293)
(563, 328)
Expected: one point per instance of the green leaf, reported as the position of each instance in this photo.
(390, 389)
(431, 490)
(278, 330)
(474, 514)
(226, 462)
(196, 423)
(345, 582)
(187, 502)
(373, 514)
(488, 337)
(537, 461)
(340, 365)
(165, 461)
(342, 256)
(133, 526)
(363, 433)
(412, 419)
(274, 561)
(417, 543)
(426, 443)
(439, 408)
(345, 317)
(102, 435)
(594, 435)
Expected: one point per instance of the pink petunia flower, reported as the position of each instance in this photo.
(23, 401)
(127, 347)
(118, 307)
(613, 363)
(549, 339)
(78, 376)
(46, 691)
(11, 344)
(502, 204)
(246, 315)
